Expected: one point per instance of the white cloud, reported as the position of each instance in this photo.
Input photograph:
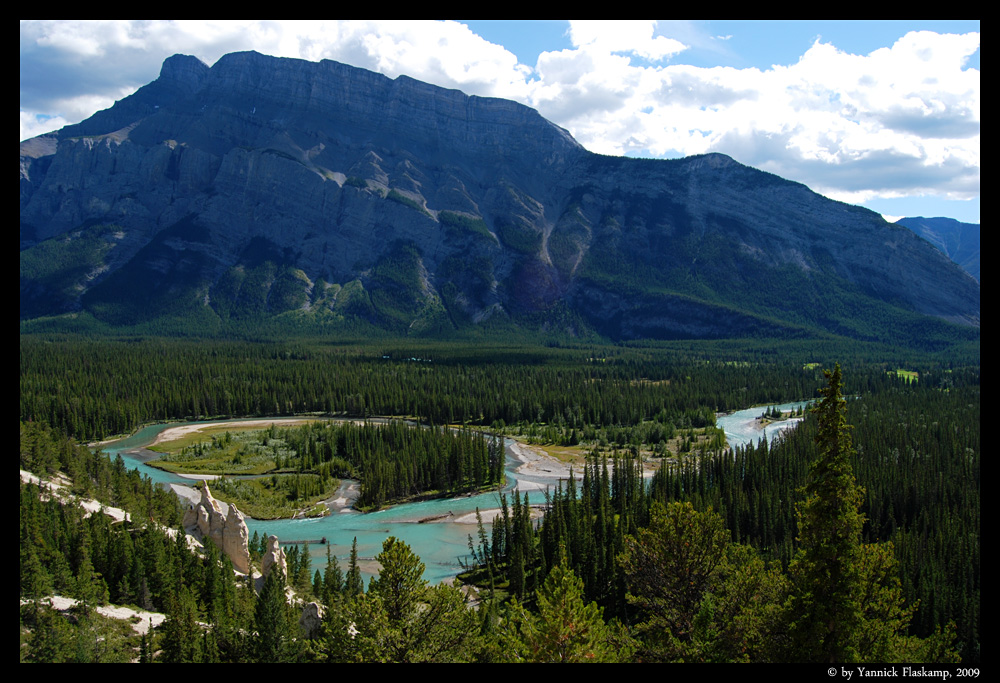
(624, 36)
(444, 53)
(909, 111)
(89, 38)
(33, 123)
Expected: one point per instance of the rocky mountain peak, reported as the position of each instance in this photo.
(358, 106)
(272, 186)
(186, 71)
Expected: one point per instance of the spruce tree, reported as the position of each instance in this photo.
(270, 620)
(303, 571)
(353, 585)
(180, 630)
(825, 612)
(566, 628)
(333, 579)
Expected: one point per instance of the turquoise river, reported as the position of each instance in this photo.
(443, 544)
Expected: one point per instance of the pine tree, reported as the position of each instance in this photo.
(51, 640)
(333, 579)
(353, 585)
(669, 568)
(270, 620)
(400, 584)
(825, 613)
(566, 628)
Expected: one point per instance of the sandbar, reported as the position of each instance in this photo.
(177, 432)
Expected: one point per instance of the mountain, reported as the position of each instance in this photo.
(958, 241)
(325, 194)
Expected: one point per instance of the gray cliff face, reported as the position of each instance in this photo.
(262, 186)
(713, 204)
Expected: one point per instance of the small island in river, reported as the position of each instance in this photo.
(275, 470)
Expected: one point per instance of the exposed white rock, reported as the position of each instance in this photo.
(236, 540)
(274, 556)
(311, 620)
(228, 531)
(146, 620)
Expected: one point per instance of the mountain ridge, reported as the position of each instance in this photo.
(273, 186)
(957, 240)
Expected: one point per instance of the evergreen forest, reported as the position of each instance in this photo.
(393, 461)
(854, 538)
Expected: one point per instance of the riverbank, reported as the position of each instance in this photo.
(746, 426)
(537, 470)
(244, 455)
(182, 430)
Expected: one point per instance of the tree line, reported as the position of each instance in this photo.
(721, 548)
(917, 524)
(96, 388)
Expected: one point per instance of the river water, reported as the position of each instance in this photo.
(442, 546)
(741, 427)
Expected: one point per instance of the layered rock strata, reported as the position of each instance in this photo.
(264, 186)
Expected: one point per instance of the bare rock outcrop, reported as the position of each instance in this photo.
(228, 530)
(236, 539)
(311, 620)
(274, 556)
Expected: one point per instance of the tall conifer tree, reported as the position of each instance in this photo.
(824, 610)
(354, 585)
(333, 578)
(270, 619)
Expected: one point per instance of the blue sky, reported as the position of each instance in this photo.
(885, 114)
(749, 43)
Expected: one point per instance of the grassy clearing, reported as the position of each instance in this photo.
(225, 449)
(250, 450)
(572, 455)
(278, 496)
(686, 441)
(206, 432)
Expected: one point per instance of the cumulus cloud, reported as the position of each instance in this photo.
(34, 123)
(634, 37)
(97, 54)
(902, 119)
(906, 116)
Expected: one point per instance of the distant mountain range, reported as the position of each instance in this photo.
(321, 194)
(958, 241)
